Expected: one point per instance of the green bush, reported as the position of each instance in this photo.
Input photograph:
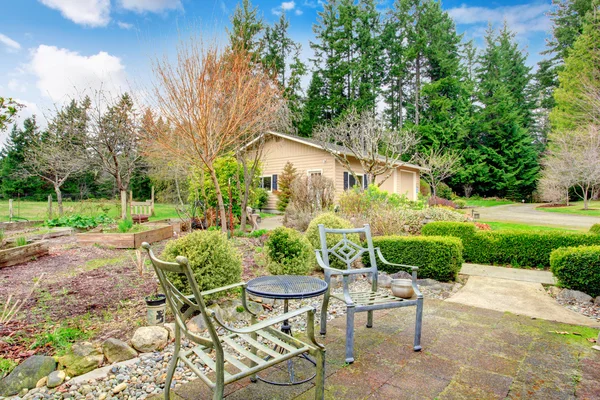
(577, 268)
(261, 197)
(80, 221)
(444, 191)
(214, 260)
(516, 248)
(438, 258)
(125, 225)
(330, 220)
(289, 252)
(595, 229)
(460, 203)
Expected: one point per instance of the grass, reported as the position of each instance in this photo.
(61, 338)
(6, 366)
(576, 208)
(38, 210)
(487, 202)
(504, 226)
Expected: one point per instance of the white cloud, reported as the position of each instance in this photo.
(84, 12)
(124, 25)
(62, 73)
(15, 85)
(298, 12)
(156, 6)
(285, 6)
(11, 45)
(521, 19)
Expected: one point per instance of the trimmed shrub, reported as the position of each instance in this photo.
(577, 268)
(214, 260)
(444, 191)
(330, 220)
(460, 203)
(595, 229)
(424, 188)
(289, 252)
(437, 257)
(516, 248)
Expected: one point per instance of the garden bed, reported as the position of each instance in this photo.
(130, 240)
(20, 254)
(18, 225)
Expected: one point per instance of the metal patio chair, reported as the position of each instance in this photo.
(239, 347)
(348, 252)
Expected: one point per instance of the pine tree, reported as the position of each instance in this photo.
(567, 24)
(285, 186)
(581, 73)
(246, 28)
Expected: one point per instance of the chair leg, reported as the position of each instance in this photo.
(218, 393)
(320, 378)
(418, 325)
(254, 351)
(219, 389)
(369, 319)
(350, 335)
(173, 363)
(323, 329)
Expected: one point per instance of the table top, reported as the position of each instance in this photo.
(286, 287)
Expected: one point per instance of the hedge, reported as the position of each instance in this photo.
(289, 252)
(516, 248)
(577, 268)
(595, 229)
(438, 258)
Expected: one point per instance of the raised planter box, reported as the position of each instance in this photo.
(126, 240)
(176, 223)
(18, 225)
(21, 254)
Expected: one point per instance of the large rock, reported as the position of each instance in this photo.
(27, 374)
(116, 350)
(83, 357)
(196, 324)
(56, 378)
(574, 295)
(150, 338)
(597, 300)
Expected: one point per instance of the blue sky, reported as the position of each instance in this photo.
(52, 49)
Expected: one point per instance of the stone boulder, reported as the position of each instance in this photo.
(150, 338)
(27, 374)
(574, 295)
(116, 350)
(196, 324)
(83, 357)
(597, 300)
(55, 379)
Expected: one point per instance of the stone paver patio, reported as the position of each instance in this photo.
(469, 353)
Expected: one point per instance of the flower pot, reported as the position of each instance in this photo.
(402, 288)
(155, 309)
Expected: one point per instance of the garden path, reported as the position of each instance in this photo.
(517, 274)
(527, 214)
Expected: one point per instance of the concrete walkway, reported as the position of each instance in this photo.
(518, 274)
(271, 223)
(527, 214)
(468, 353)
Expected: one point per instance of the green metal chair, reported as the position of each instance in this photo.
(239, 348)
(348, 252)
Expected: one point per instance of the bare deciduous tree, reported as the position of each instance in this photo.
(215, 101)
(366, 138)
(249, 157)
(439, 165)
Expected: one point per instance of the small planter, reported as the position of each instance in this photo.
(402, 288)
(155, 309)
(18, 255)
(126, 240)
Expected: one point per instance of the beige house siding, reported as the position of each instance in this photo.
(278, 151)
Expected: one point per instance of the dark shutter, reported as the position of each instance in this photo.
(365, 181)
(274, 183)
(346, 183)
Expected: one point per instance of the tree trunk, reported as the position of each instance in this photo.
(585, 199)
(221, 204)
(123, 205)
(59, 200)
(417, 88)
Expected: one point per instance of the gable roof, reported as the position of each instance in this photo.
(337, 148)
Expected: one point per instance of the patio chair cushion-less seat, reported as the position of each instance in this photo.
(242, 349)
(348, 252)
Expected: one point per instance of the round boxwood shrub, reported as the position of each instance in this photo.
(577, 268)
(330, 220)
(595, 229)
(213, 259)
(289, 252)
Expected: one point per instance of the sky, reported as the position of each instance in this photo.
(52, 50)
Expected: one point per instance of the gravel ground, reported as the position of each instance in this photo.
(147, 375)
(588, 308)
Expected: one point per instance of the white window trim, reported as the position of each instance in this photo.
(312, 171)
(268, 176)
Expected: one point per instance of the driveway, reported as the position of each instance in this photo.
(527, 214)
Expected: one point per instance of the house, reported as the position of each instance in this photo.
(309, 157)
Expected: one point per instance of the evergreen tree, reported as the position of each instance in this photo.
(246, 28)
(567, 24)
(581, 73)
(285, 186)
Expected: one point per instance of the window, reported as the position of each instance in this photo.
(314, 172)
(268, 182)
(350, 181)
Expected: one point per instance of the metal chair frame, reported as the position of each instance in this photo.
(239, 344)
(348, 252)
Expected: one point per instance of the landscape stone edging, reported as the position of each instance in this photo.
(101, 372)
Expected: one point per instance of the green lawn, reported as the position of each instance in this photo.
(504, 226)
(487, 202)
(576, 208)
(33, 210)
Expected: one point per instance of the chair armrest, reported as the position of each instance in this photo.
(383, 260)
(263, 324)
(224, 288)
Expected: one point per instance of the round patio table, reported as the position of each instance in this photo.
(287, 287)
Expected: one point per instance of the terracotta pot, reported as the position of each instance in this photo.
(402, 288)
